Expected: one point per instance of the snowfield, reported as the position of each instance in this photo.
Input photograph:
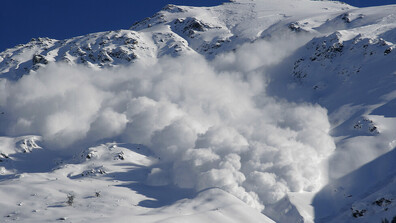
(251, 111)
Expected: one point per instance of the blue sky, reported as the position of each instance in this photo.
(21, 20)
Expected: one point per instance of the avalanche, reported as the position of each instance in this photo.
(251, 111)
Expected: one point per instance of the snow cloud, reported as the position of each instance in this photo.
(212, 125)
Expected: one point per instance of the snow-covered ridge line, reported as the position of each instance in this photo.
(176, 29)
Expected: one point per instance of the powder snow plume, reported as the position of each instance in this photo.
(211, 126)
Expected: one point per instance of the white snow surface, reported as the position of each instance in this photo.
(251, 111)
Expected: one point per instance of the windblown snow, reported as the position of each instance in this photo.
(252, 111)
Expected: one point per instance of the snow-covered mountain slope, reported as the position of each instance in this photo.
(103, 184)
(244, 112)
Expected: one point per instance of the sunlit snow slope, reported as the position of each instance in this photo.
(251, 111)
